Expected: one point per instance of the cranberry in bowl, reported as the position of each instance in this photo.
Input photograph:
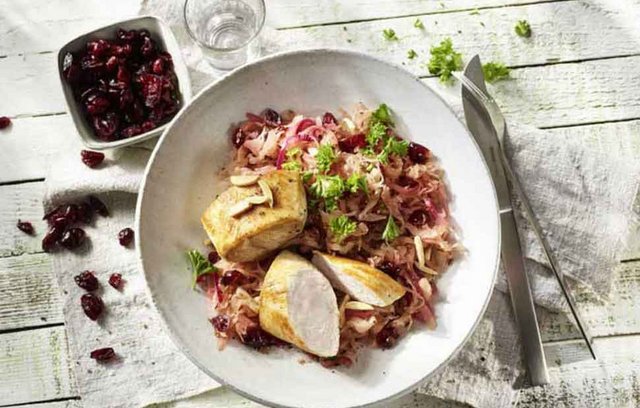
(123, 82)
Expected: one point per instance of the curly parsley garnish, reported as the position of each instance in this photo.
(377, 132)
(389, 34)
(411, 54)
(199, 266)
(325, 157)
(382, 115)
(341, 227)
(523, 29)
(444, 60)
(329, 188)
(293, 162)
(355, 183)
(393, 146)
(418, 24)
(391, 230)
(494, 71)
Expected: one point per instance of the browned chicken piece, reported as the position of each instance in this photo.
(258, 229)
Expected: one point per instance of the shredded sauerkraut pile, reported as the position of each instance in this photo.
(372, 196)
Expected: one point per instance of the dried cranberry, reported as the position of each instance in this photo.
(70, 212)
(148, 47)
(91, 159)
(403, 303)
(135, 113)
(98, 48)
(72, 238)
(158, 66)
(98, 206)
(271, 117)
(87, 281)
(350, 144)
(96, 104)
(130, 131)
(389, 268)
(147, 126)
(125, 236)
(115, 280)
(59, 221)
(213, 256)
(106, 125)
(387, 337)
(419, 218)
(111, 63)
(220, 323)
(103, 354)
(26, 227)
(126, 36)
(51, 239)
(123, 75)
(125, 98)
(257, 338)
(418, 153)
(85, 213)
(92, 64)
(4, 122)
(232, 277)
(123, 50)
(92, 305)
(329, 119)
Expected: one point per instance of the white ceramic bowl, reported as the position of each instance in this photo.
(180, 183)
(163, 36)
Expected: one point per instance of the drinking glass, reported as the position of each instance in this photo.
(226, 30)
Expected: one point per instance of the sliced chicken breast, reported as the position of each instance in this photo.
(298, 305)
(254, 233)
(358, 279)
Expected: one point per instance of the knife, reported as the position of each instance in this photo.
(481, 127)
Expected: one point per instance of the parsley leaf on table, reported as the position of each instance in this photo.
(418, 24)
(199, 266)
(391, 230)
(523, 29)
(494, 71)
(411, 54)
(444, 60)
(341, 227)
(389, 34)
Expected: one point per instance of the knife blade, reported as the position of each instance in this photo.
(480, 125)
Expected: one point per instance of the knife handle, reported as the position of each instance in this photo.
(522, 300)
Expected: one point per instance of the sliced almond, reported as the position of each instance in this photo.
(239, 208)
(362, 325)
(355, 305)
(425, 269)
(417, 241)
(244, 180)
(256, 200)
(425, 285)
(266, 191)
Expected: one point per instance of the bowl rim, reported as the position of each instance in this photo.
(216, 83)
(184, 85)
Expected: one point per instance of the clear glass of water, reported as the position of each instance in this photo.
(226, 30)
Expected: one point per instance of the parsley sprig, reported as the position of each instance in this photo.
(523, 29)
(418, 24)
(329, 188)
(293, 159)
(378, 135)
(355, 183)
(341, 227)
(494, 71)
(325, 157)
(199, 266)
(391, 230)
(389, 34)
(444, 60)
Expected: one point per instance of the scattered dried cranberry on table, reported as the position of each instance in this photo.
(87, 281)
(92, 305)
(26, 227)
(103, 354)
(125, 237)
(125, 85)
(72, 238)
(62, 221)
(4, 122)
(92, 159)
(115, 280)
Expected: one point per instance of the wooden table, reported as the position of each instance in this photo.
(578, 75)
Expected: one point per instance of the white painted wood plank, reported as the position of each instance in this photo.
(21, 201)
(35, 366)
(29, 295)
(46, 25)
(557, 35)
(298, 13)
(577, 380)
(27, 146)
